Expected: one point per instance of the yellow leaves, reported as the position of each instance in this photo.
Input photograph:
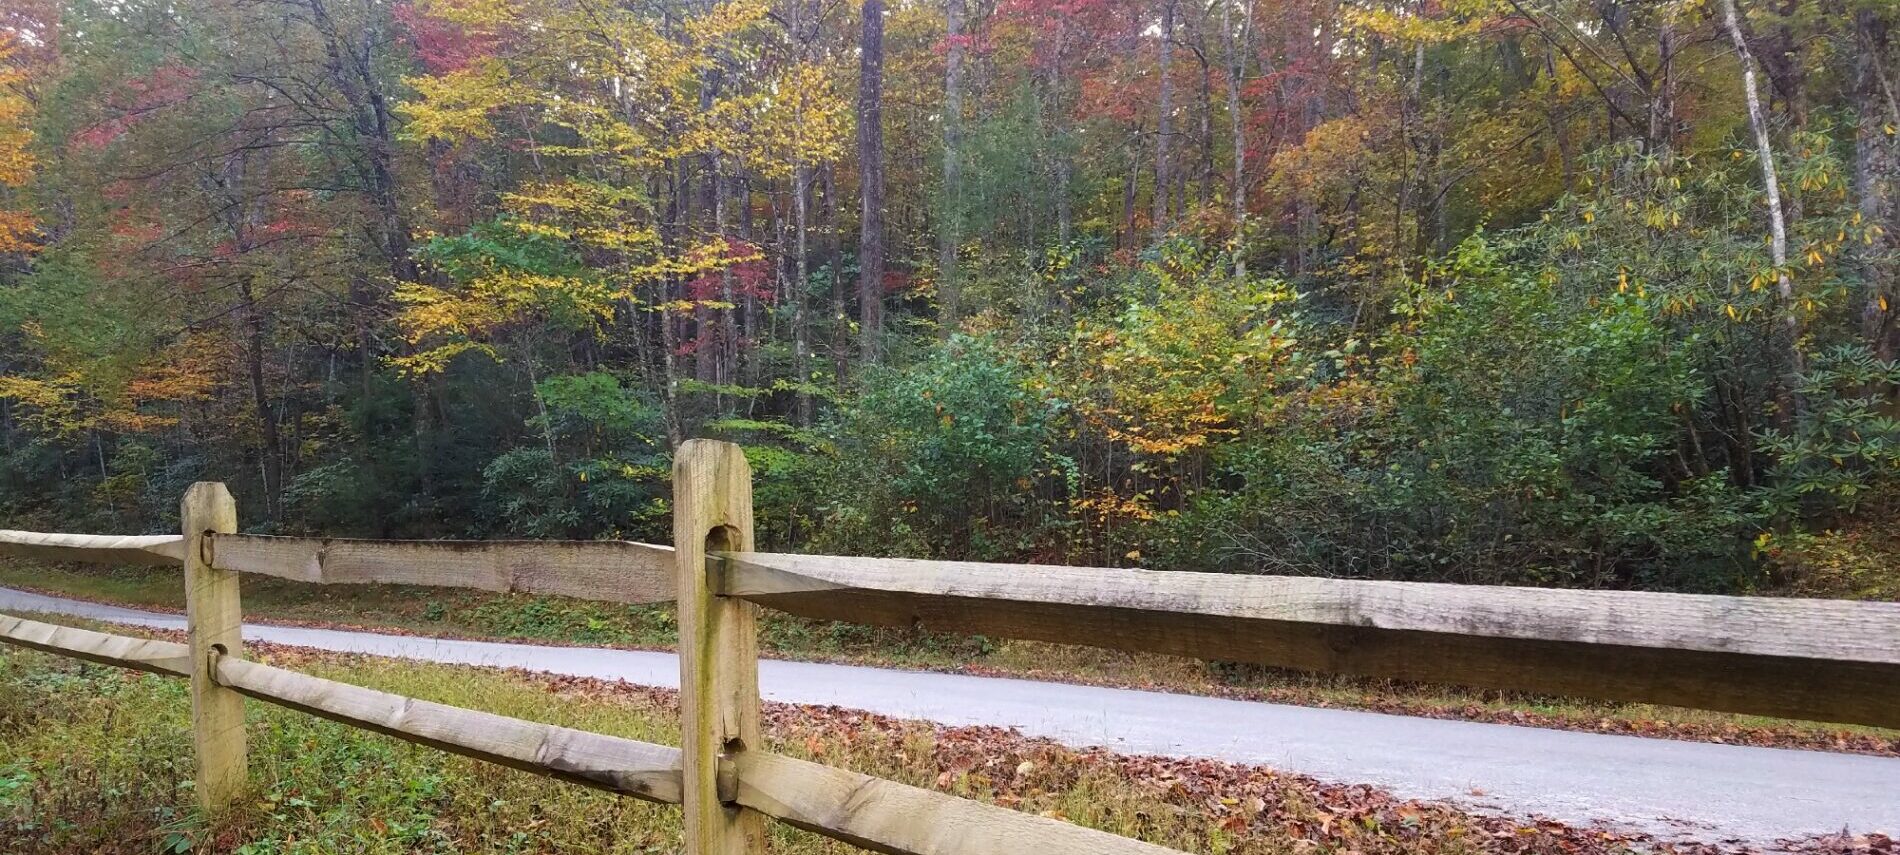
(458, 104)
(1452, 20)
(93, 397)
(591, 214)
(17, 228)
(727, 22)
(1171, 378)
(437, 359)
(799, 117)
(1105, 505)
(459, 319)
(483, 15)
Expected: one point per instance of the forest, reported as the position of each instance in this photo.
(1582, 293)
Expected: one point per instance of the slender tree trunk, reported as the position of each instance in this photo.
(1876, 179)
(950, 214)
(801, 278)
(723, 318)
(252, 317)
(1778, 227)
(1206, 135)
(1065, 159)
(1236, 45)
(871, 181)
(834, 266)
(748, 367)
(1164, 124)
(1662, 106)
(1128, 190)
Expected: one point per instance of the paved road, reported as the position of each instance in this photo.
(1686, 790)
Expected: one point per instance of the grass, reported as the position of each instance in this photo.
(482, 615)
(97, 760)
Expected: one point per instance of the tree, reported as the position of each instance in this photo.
(951, 206)
(17, 226)
(1777, 224)
(871, 181)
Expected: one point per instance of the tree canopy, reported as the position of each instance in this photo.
(1531, 291)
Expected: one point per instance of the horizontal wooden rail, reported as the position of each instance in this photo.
(605, 570)
(899, 819)
(158, 657)
(1824, 660)
(629, 767)
(883, 816)
(158, 549)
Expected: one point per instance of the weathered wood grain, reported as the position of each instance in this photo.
(626, 766)
(157, 657)
(214, 620)
(603, 570)
(1812, 659)
(885, 816)
(719, 648)
(160, 549)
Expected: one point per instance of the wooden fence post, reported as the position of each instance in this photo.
(213, 619)
(719, 648)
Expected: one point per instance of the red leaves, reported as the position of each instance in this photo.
(442, 46)
(134, 100)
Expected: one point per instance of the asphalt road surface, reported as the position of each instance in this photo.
(1671, 789)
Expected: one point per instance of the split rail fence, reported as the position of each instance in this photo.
(1809, 659)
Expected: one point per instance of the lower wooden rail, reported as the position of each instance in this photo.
(629, 767)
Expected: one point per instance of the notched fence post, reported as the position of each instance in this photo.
(213, 621)
(719, 648)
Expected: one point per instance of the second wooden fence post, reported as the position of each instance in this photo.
(718, 649)
(213, 621)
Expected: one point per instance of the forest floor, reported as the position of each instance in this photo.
(70, 732)
(484, 616)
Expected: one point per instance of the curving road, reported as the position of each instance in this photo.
(1674, 790)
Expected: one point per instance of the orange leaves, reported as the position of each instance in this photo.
(72, 401)
(17, 228)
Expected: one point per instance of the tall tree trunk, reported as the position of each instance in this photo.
(1164, 126)
(871, 181)
(801, 279)
(272, 464)
(1876, 180)
(1662, 105)
(1128, 190)
(749, 369)
(950, 215)
(834, 266)
(1060, 138)
(1777, 225)
(1236, 45)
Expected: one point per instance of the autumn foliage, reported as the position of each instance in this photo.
(1459, 290)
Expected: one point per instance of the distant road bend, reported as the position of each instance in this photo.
(1669, 789)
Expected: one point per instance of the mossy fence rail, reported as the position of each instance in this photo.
(1811, 659)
